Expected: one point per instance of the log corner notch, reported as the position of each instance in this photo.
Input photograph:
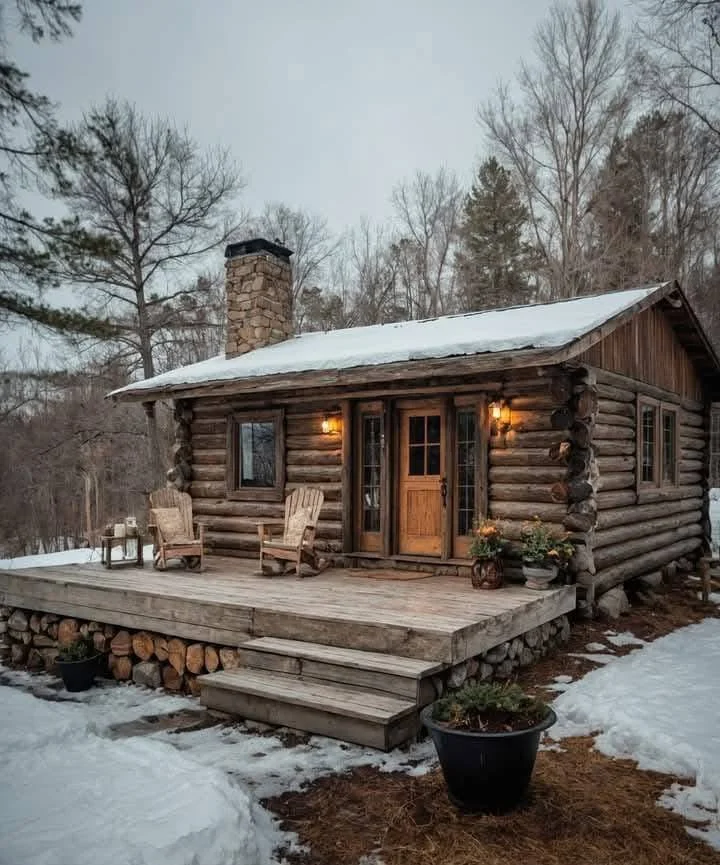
(580, 486)
(180, 474)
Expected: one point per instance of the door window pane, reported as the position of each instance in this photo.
(466, 448)
(433, 428)
(647, 443)
(424, 437)
(417, 460)
(256, 442)
(371, 472)
(433, 460)
(417, 430)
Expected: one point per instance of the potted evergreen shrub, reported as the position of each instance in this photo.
(486, 736)
(79, 664)
(543, 554)
(486, 549)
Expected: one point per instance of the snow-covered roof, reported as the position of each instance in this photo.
(518, 328)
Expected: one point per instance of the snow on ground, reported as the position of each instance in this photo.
(660, 706)
(73, 790)
(624, 639)
(79, 556)
(596, 647)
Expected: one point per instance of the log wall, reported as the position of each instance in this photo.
(311, 458)
(639, 531)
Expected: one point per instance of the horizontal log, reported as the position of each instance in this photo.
(612, 379)
(615, 499)
(239, 525)
(332, 491)
(314, 458)
(534, 402)
(617, 420)
(616, 480)
(606, 557)
(303, 425)
(256, 510)
(208, 490)
(669, 494)
(616, 394)
(643, 564)
(233, 541)
(691, 418)
(512, 529)
(691, 465)
(214, 457)
(313, 474)
(615, 464)
(521, 493)
(503, 510)
(503, 456)
(691, 434)
(312, 442)
(526, 474)
(530, 439)
(212, 426)
(640, 513)
(608, 432)
(208, 473)
(685, 478)
(615, 408)
(643, 528)
(692, 454)
(613, 447)
(208, 442)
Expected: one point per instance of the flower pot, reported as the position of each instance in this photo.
(486, 772)
(79, 675)
(486, 573)
(539, 577)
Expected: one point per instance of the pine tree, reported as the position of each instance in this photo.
(494, 261)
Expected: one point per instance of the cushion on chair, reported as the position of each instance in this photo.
(171, 525)
(296, 527)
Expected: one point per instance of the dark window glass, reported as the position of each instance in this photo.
(372, 456)
(417, 460)
(433, 428)
(256, 454)
(417, 430)
(466, 433)
(433, 460)
(647, 443)
(669, 446)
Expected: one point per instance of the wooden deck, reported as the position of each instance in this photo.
(439, 619)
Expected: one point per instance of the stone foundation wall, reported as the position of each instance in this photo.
(502, 661)
(33, 639)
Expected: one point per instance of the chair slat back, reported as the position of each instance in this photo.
(309, 498)
(169, 497)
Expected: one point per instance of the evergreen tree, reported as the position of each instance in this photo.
(494, 261)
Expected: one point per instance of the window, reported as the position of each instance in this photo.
(466, 460)
(371, 472)
(424, 445)
(255, 455)
(657, 448)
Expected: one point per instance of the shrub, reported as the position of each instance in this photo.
(540, 546)
(479, 705)
(79, 650)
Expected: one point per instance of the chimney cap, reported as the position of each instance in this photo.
(256, 245)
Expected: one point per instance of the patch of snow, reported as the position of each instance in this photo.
(549, 325)
(595, 657)
(217, 776)
(626, 639)
(596, 647)
(79, 556)
(713, 597)
(563, 680)
(659, 706)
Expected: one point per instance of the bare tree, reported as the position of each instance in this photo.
(427, 210)
(313, 247)
(573, 102)
(151, 205)
(680, 56)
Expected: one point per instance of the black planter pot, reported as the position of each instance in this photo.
(486, 772)
(79, 675)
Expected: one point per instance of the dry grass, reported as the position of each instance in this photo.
(583, 809)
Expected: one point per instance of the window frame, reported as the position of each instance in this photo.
(369, 541)
(660, 409)
(234, 421)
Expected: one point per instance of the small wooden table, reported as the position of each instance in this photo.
(109, 542)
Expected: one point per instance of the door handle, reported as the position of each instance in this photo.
(443, 491)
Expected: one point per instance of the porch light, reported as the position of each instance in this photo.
(329, 425)
(500, 415)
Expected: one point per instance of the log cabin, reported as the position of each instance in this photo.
(590, 413)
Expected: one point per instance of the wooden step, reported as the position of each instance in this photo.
(353, 715)
(373, 671)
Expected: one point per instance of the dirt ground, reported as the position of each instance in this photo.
(582, 808)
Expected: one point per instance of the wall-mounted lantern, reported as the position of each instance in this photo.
(500, 416)
(330, 424)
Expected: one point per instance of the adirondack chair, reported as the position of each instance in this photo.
(172, 529)
(296, 545)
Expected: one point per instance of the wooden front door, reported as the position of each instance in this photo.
(422, 486)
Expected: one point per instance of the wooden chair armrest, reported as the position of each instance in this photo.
(265, 527)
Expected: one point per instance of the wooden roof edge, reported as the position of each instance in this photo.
(697, 326)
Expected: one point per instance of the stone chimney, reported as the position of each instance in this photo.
(258, 288)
